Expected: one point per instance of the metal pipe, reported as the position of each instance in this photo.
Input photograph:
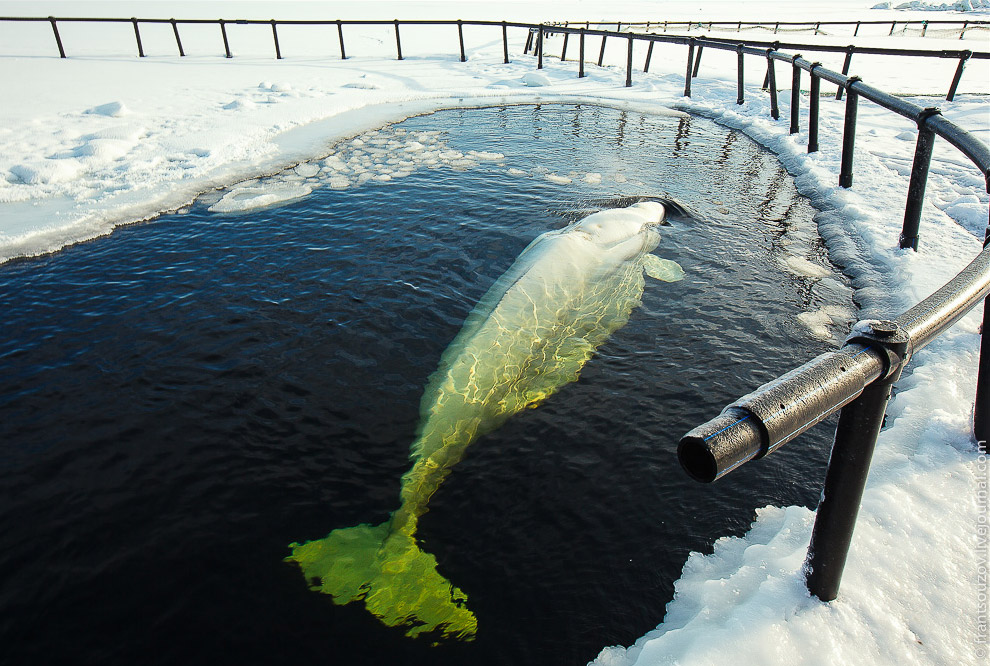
(981, 409)
(795, 95)
(814, 99)
(649, 55)
(581, 55)
(697, 62)
(529, 41)
(777, 412)
(740, 94)
(919, 179)
(460, 39)
(849, 134)
(278, 51)
(137, 36)
(772, 82)
(629, 58)
(398, 43)
(178, 42)
(58, 38)
(601, 54)
(226, 44)
(563, 49)
(845, 479)
(505, 42)
(690, 62)
(958, 75)
(539, 49)
(856, 31)
(845, 68)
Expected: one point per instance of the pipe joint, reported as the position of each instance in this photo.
(888, 339)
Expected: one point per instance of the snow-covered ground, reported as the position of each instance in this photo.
(105, 138)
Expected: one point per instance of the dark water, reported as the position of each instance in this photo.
(182, 399)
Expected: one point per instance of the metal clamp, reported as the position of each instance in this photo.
(886, 337)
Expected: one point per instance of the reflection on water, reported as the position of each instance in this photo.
(183, 398)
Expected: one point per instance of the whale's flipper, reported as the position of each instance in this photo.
(397, 581)
(662, 269)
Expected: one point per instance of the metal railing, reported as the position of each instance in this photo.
(818, 27)
(854, 381)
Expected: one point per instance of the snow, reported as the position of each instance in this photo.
(105, 138)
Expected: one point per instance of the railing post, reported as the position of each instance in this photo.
(649, 56)
(398, 43)
(813, 101)
(226, 44)
(919, 179)
(460, 39)
(981, 410)
(963, 31)
(58, 39)
(856, 31)
(740, 95)
(601, 54)
(892, 26)
(340, 37)
(505, 42)
(539, 49)
(697, 62)
(849, 134)
(849, 465)
(690, 62)
(845, 68)
(629, 55)
(529, 41)
(581, 54)
(137, 36)
(563, 48)
(966, 55)
(772, 82)
(278, 51)
(795, 95)
(178, 42)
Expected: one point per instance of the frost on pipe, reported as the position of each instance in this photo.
(530, 334)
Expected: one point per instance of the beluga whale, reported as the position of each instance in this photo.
(529, 335)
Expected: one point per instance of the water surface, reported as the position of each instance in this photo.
(182, 399)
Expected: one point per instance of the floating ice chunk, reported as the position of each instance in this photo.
(414, 147)
(560, 180)
(307, 169)
(111, 109)
(341, 182)
(484, 155)
(801, 266)
(357, 142)
(384, 177)
(593, 178)
(516, 172)
(619, 178)
(535, 79)
(249, 198)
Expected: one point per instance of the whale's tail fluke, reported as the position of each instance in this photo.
(397, 580)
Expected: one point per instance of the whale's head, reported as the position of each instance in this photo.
(628, 231)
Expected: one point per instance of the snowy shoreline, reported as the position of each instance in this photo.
(100, 140)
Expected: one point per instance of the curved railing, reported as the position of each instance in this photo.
(855, 380)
